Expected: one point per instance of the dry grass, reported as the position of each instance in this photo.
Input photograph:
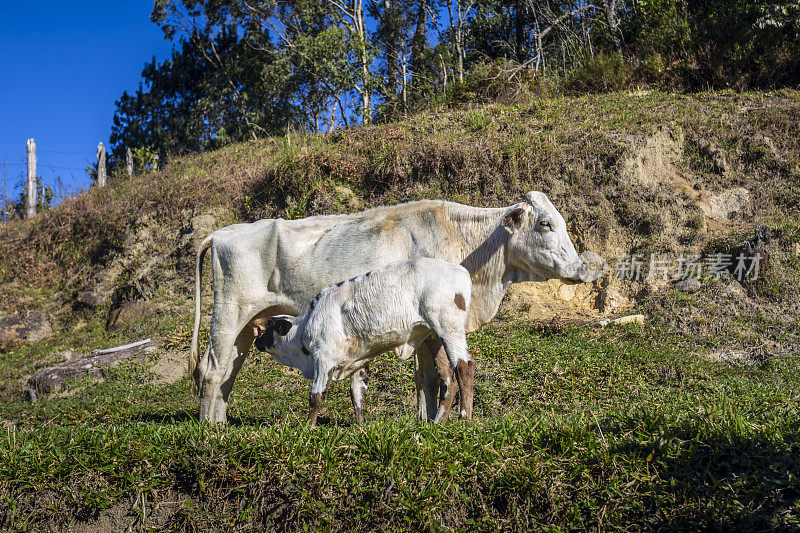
(578, 150)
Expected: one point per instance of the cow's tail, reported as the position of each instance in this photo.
(194, 354)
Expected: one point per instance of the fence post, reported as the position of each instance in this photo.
(101, 165)
(31, 149)
(155, 162)
(129, 162)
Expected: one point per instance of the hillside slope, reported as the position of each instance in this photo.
(632, 173)
(576, 426)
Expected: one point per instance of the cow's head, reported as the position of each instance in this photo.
(539, 244)
(275, 334)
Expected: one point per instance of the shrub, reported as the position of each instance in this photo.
(604, 73)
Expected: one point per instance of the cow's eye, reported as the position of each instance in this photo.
(545, 224)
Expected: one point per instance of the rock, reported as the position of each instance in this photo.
(129, 315)
(688, 285)
(92, 299)
(31, 326)
(546, 299)
(349, 198)
(53, 379)
(566, 292)
(726, 205)
(57, 358)
(755, 256)
(630, 319)
(201, 226)
(652, 160)
(610, 300)
(728, 356)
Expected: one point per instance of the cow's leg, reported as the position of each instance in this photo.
(212, 406)
(241, 348)
(229, 344)
(455, 345)
(319, 390)
(219, 378)
(426, 379)
(358, 390)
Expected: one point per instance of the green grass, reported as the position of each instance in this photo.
(574, 429)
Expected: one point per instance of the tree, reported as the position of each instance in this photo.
(243, 69)
(392, 38)
(351, 16)
(459, 11)
(209, 93)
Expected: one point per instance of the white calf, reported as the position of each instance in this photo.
(396, 306)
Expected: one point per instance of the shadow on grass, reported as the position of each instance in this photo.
(258, 421)
(176, 417)
(743, 480)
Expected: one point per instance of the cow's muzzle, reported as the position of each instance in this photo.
(589, 268)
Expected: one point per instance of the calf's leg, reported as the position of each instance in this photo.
(319, 389)
(358, 390)
(465, 375)
(447, 385)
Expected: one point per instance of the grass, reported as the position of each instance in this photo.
(575, 429)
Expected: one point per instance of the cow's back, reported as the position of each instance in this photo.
(290, 261)
(363, 242)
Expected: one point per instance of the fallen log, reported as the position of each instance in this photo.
(54, 378)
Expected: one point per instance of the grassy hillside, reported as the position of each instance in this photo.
(689, 421)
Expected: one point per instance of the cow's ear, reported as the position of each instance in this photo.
(282, 326)
(514, 219)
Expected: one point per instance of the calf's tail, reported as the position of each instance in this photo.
(194, 354)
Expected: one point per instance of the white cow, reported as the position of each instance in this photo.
(352, 322)
(277, 266)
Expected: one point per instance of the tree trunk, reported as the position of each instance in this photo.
(404, 81)
(519, 26)
(459, 60)
(358, 23)
(419, 43)
(391, 38)
(613, 25)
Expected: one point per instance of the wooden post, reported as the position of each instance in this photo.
(31, 148)
(129, 162)
(101, 165)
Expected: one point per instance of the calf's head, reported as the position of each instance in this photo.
(275, 334)
(539, 244)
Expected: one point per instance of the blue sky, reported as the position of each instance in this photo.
(62, 66)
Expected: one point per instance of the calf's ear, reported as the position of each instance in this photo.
(514, 219)
(282, 326)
